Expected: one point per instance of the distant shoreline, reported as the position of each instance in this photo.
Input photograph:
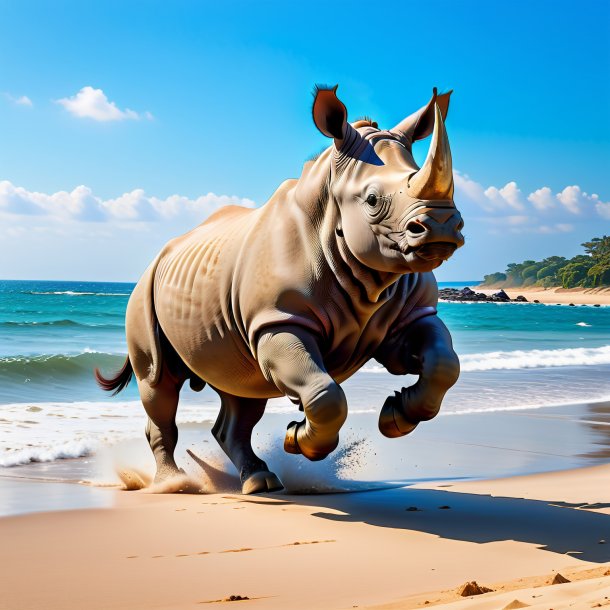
(554, 296)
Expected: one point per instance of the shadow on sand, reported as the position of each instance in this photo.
(558, 527)
(474, 518)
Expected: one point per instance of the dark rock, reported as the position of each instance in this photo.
(501, 295)
(571, 305)
(467, 295)
(236, 598)
(521, 299)
(536, 301)
(559, 579)
(472, 588)
(596, 305)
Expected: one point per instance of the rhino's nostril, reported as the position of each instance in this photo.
(416, 228)
(460, 226)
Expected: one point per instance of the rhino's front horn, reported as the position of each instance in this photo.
(435, 178)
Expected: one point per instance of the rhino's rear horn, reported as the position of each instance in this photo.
(420, 124)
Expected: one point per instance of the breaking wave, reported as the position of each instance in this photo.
(536, 358)
(68, 323)
(73, 293)
(33, 368)
(68, 450)
(526, 359)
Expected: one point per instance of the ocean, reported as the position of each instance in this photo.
(52, 335)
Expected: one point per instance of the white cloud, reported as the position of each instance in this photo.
(542, 199)
(135, 206)
(556, 228)
(516, 220)
(469, 189)
(78, 234)
(572, 198)
(22, 100)
(577, 201)
(509, 195)
(603, 209)
(564, 227)
(16, 200)
(130, 206)
(520, 223)
(78, 204)
(499, 204)
(93, 104)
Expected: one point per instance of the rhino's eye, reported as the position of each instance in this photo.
(372, 200)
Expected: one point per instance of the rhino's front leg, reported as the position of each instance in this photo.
(425, 349)
(290, 358)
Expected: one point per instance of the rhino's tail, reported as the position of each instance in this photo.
(118, 382)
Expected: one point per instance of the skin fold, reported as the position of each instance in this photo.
(294, 297)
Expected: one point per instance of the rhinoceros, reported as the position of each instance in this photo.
(295, 296)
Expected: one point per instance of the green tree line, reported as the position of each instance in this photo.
(589, 270)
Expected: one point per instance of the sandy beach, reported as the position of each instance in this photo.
(397, 545)
(398, 548)
(555, 296)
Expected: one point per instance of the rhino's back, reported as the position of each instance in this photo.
(194, 305)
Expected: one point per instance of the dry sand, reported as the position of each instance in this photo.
(561, 296)
(394, 548)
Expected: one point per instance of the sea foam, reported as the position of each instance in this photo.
(536, 358)
(48, 431)
(525, 359)
(69, 449)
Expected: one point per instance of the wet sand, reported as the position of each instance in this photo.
(458, 447)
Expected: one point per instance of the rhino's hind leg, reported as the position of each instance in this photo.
(233, 431)
(161, 404)
(163, 442)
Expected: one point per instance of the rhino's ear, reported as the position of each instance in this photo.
(421, 123)
(329, 112)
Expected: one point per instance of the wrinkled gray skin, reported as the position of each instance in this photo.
(294, 297)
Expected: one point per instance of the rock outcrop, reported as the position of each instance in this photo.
(468, 295)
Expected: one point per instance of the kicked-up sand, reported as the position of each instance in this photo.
(390, 545)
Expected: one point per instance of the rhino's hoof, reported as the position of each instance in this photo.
(291, 444)
(167, 473)
(290, 440)
(261, 482)
(392, 423)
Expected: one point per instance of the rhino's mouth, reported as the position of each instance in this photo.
(436, 250)
(431, 252)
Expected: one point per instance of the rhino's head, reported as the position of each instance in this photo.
(393, 215)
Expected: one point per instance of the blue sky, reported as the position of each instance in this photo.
(125, 123)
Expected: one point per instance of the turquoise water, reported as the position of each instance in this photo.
(52, 335)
